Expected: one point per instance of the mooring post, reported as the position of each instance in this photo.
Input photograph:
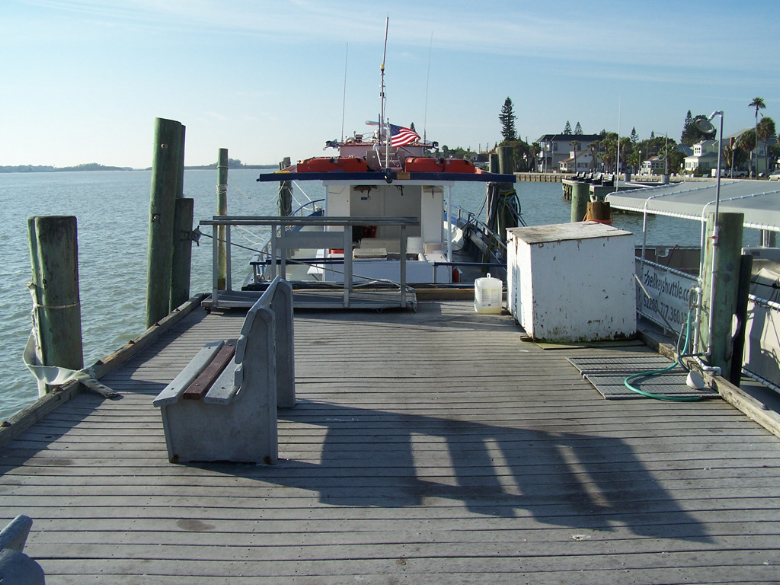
(719, 302)
(506, 166)
(182, 252)
(183, 215)
(165, 188)
(285, 191)
(743, 294)
(506, 160)
(580, 195)
(222, 179)
(55, 289)
(494, 165)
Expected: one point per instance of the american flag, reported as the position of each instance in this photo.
(400, 136)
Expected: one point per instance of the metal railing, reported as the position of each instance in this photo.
(284, 239)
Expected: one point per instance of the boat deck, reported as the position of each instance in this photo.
(427, 447)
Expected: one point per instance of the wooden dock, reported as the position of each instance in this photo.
(428, 447)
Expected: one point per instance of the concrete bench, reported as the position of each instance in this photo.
(15, 566)
(222, 406)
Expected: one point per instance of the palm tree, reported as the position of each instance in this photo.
(759, 104)
(765, 131)
(594, 148)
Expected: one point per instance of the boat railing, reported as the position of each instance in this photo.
(500, 265)
(287, 234)
(308, 208)
(464, 218)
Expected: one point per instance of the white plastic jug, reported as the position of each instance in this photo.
(487, 295)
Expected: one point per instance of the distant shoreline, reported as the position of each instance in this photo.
(98, 167)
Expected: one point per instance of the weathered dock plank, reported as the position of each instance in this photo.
(429, 447)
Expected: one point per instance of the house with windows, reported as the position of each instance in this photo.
(655, 165)
(758, 159)
(556, 148)
(580, 161)
(704, 157)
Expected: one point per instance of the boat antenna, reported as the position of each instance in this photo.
(344, 97)
(382, 98)
(427, 83)
(617, 170)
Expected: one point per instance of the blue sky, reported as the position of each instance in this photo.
(84, 80)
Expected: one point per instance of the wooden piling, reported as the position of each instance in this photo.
(222, 179)
(722, 302)
(166, 171)
(494, 165)
(183, 215)
(599, 211)
(506, 160)
(55, 288)
(285, 191)
(743, 294)
(580, 195)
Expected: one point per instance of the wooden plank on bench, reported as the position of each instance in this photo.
(201, 384)
(171, 393)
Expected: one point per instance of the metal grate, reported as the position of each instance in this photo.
(607, 374)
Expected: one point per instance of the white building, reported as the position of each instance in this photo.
(555, 148)
(655, 165)
(580, 161)
(704, 157)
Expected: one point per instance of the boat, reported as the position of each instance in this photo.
(396, 200)
(386, 215)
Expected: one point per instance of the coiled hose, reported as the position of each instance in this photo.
(629, 379)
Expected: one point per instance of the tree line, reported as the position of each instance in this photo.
(632, 151)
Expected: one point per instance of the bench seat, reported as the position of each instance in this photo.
(222, 405)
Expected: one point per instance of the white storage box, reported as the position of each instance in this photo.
(572, 282)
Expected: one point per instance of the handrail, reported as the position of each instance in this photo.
(230, 221)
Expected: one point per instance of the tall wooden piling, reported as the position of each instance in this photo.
(166, 172)
(55, 288)
(285, 191)
(183, 215)
(580, 195)
(720, 305)
(743, 294)
(494, 163)
(506, 160)
(222, 179)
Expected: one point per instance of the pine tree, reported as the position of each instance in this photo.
(507, 118)
(578, 129)
(567, 128)
(686, 126)
(634, 136)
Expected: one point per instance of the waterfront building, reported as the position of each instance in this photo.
(556, 148)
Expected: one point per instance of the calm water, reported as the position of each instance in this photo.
(112, 210)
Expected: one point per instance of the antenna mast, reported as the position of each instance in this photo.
(427, 83)
(344, 97)
(382, 122)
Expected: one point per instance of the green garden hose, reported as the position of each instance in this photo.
(633, 377)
